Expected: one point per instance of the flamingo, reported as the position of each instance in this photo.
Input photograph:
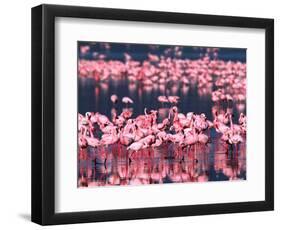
(135, 147)
(93, 142)
(163, 99)
(234, 139)
(242, 119)
(173, 99)
(203, 138)
(220, 127)
(109, 139)
(224, 118)
(191, 138)
(127, 100)
(82, 142)
(126, 138)
(200, 122)
(114, 98)
(102, 119)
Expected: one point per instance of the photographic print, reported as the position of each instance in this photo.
(156, 114)
(165, 104)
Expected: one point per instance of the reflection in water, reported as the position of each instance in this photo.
(165, 164)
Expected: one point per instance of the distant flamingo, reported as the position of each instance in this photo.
(173, 99)
(114, 98)
(163, 99)
(127, 100)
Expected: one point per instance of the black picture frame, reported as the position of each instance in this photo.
(43, 114)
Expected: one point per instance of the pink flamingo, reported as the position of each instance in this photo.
(242, 119)
(102, 119)
(82, 142)
(163, 99)
(220, 127)
(191, 138)
(173, 99)
(235, 128)
(111, 138)
(136, 146)
(127, 100)
(203, 138)
(200, 122)
(93, 142)
(114, 99)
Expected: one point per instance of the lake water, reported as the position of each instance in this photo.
(166, 164)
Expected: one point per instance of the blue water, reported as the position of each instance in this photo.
(139, 51)
(93, 97)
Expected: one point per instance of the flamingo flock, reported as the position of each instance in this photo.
(228, 78)
(166, 127)
(145, 130)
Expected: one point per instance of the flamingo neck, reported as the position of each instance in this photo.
(145, 111)
(231, 122)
